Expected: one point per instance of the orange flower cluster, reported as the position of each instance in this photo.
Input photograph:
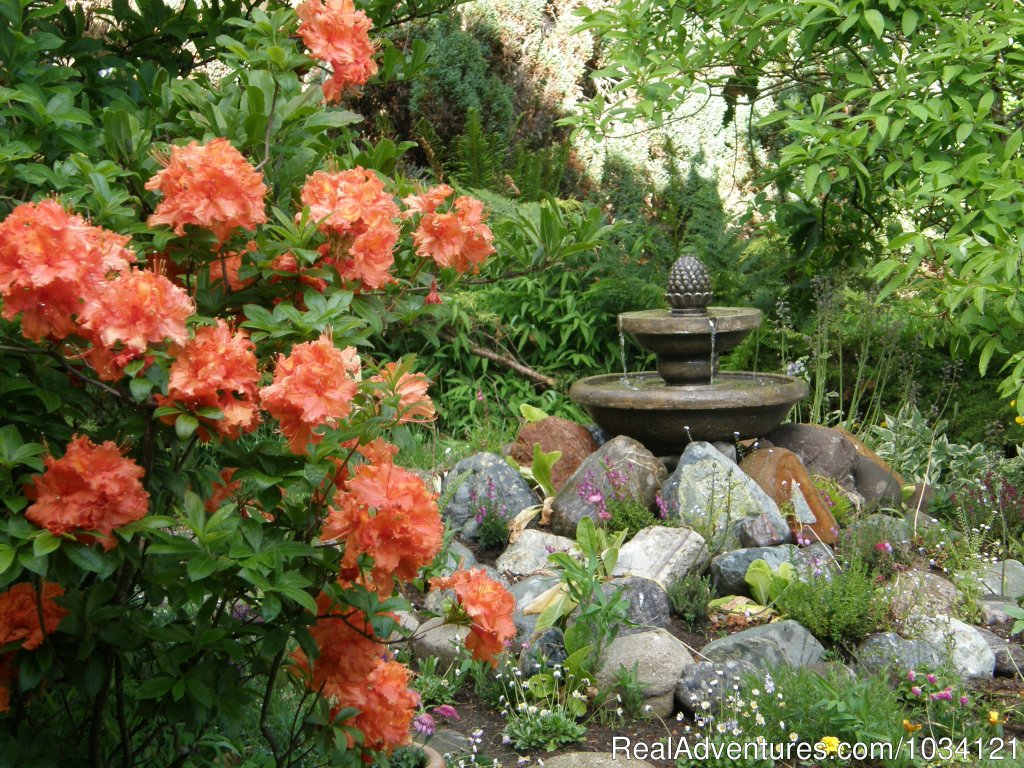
(19, 623)
(489, 607)
(335, 32)
(51, 261)
(357, 213)
(217, 369)
(459, 238)
(128, 314)
(210, 186)
(312, 387)
(353, 670)
(19, 614)
(414, 404)
(92, 489)
(386, 512)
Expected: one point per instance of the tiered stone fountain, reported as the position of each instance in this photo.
(688, 399)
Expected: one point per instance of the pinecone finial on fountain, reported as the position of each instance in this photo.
(689, 286)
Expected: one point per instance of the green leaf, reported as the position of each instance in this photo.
(185, 425)
(876, 21)
(531, 413)
(909, 21)
(200, 566)
(44, 544)
(140, 389)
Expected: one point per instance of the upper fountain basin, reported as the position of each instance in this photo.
(688, 346)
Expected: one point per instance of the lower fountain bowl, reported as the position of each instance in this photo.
(735, 404)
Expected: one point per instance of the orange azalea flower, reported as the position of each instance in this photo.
(358, 215)
(313, 386)
(211, 186)
(348, 651)
(428, 202)
(92, 489)
(386, 706)
(128, 314)
(459, 238)
(414, 403)
(50, 261)
(352, 669)
(335, 32)
(386, 512)
(378, 451)
(19, 614)
(227, 265)
(216, 369)
(489, 607)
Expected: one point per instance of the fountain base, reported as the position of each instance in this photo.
(657, 415)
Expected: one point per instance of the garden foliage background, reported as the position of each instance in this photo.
(882, 168)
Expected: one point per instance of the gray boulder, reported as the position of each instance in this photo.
(719, 501)
(661, 659)
(642, 475)
(1005, 578)
(887, 650)
(648, 604)
(435, 638)
(484, 478)
(728, 570)
(960, 644)
(1009, 657)
(530, 551)
(546, 650)
(704, 687)
(767, 646)
(924, 593)
(993, 609)
(525, 592)
(664, 555)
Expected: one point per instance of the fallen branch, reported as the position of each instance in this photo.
(506, 361)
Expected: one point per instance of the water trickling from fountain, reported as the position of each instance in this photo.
(689, 437)
(714, 331)
(622, 358)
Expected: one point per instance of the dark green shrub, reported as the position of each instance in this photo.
(841, 607)
(460, 77)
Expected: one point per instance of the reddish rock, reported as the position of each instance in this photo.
(780, 473)
(554, 434)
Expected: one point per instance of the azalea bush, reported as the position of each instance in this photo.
(202, 514)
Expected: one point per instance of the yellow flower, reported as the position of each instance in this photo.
(1019, 420)
(994, 718)
(910, 727)
(830, 744)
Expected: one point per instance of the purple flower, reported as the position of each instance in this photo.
(448, 712)
(916, 690)
(911, 675)
(662, 505)
(424, 724)
(932, 679)
(963, 701)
